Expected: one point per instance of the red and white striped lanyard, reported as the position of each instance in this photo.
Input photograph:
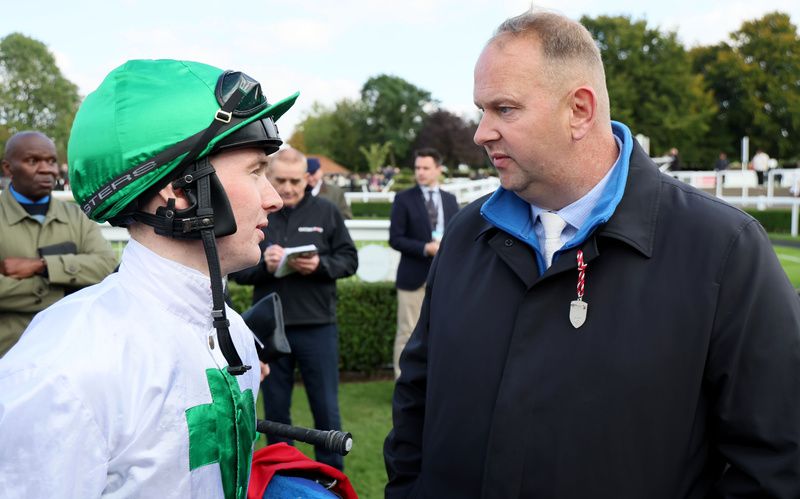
(579, 308)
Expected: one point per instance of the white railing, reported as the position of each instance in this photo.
(761, 202)
(465, 191)
(469, 190)
(789, 178)
(360, 230)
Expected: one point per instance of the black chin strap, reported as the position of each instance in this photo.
(220, 321)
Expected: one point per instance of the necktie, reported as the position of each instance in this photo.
(553, 225)
(433, 213)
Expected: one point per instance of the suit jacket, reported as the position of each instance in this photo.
(410, 230)
(335, 195)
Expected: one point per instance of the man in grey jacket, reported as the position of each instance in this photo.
(48, 248)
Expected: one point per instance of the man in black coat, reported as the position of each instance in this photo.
(419, 216)
(306, 284)
(594, 328)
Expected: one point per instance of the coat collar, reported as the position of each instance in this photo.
(15, 213)
(635, 218)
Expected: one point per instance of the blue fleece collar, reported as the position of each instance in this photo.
(25, 200)
(510, 213)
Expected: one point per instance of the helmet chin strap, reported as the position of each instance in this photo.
(201, 221)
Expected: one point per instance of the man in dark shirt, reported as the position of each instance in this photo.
(307, 288)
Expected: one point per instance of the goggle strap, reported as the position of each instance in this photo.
(212, 130)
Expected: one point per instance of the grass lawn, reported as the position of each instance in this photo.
(366, 409)
(790, 259)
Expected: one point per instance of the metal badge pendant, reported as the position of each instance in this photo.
(579, 308)
(577, 313)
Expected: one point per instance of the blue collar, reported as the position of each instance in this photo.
(510, 213)
(24, 200)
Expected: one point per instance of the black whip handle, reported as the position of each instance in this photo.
(333, 441)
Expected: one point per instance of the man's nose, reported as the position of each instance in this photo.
(485, 132)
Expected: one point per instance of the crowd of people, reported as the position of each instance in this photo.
(593, 328)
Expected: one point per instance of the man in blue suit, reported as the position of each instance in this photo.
(419, 216)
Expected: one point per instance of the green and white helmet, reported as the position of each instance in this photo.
(146, 118)
(154, 122)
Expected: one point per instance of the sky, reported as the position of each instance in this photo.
(328, 49)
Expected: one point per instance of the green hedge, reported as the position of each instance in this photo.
(367, 320)
(367, 316)
(777, 221)
(378, 209)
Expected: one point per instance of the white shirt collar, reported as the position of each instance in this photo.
(184, 291)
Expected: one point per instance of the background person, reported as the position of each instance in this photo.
(760, 163)
(327, 190)
(48, 248)
(584, 331)
(722, 162)
(139, 386)
(418, 219)
(308, 296)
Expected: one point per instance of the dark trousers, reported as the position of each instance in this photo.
(315, 350)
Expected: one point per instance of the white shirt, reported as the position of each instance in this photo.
(437, 201)
(761, 162)
(94, 397)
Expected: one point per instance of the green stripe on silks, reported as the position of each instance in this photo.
(223, 432)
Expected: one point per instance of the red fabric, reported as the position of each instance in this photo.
(279, 457)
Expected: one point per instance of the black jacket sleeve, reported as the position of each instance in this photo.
(341, 259)
(402, 449)
(753, 372)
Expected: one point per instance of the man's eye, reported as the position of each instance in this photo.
(504, 109)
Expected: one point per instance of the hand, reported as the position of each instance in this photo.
(264, 370)
(272, 257)
(305, 264)
(21, 268)
(432, 248)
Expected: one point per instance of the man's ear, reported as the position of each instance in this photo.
(181, 201)
(6, 166)
(583, 108)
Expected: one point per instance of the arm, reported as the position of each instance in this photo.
(24, 295)
(341, 260)
(402, 450)
(94, 261)
(341, 202)
(398, 233)
(753, 372)
(50, 445)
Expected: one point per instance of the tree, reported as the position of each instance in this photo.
(452, 137)
(376, 155)
(335, 132)
(756, 83)
(34, 95)
(652, 87)
(395, 111)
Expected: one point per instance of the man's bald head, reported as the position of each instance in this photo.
(14, 142)
(571, 54)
